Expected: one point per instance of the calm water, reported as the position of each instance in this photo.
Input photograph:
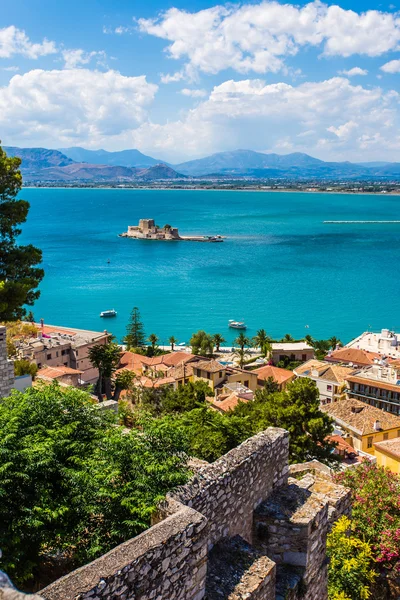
(280, 267)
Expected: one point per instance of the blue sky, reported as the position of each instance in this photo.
(183, 79)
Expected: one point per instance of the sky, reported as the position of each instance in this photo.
(186, 78)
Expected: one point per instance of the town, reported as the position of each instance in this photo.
(358, 384)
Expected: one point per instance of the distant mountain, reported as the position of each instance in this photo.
(243, 160)
(38, 158)
(124, 158)
(160, 171)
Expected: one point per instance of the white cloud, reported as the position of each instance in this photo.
(331, 119)
(14, 41)
(168, 78)
(258, 37)
(354, 71)
(73, 105)
(194, 93)
(10, 69)
(76, 57)
(392, 66)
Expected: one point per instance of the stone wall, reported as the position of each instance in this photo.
(6, 367)
(240, 529)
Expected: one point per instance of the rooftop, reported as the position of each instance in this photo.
(56, 372)
(291, 346)
(361, 417)
(353, 355)
(392, 447)
(278, 375)
(384, 343)
(324, 370)
(211, 366)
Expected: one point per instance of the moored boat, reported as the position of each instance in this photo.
(108, 313)
(237, 324)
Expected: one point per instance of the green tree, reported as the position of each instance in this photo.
(19, 273)
(24, 367)
(297, 410)
(160, 401)
(270, 385)
(74, 483)
(241, 353)
(123, 381)
(309, 339)
(287, 338)
(351, 572)
(202, 343)
(135, 336)
(218, 339)
(153, 339)
(172, 340)
(262, 341)
(334, 341)
(242, 340)
(105, 358)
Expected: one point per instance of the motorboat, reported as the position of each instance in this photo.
(237, 324)
(108, 313)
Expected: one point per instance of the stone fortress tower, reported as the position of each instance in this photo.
(6, 367)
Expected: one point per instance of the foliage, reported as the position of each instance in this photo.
(242, 340)
(202, 343)
(287, 338)
(297, 410)
(172, 340)
(105, 357)
(72, 483)
(270, 385)
(351, 572)
(241, 353)
(218, 339)
(153, 339)
(287, 363)
(19, 274)
(18, 330)
(376, 510)
(135, 336)
(164, 400)
(24, 367)
(123, 381)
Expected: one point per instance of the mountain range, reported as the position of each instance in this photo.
(79, 164)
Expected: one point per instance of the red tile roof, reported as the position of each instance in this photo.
(353, 355)
(56, 372)
(278, 375)
(391, 447)
(228, 403)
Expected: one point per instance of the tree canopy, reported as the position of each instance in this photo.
(73, 484)
(202, 343)
(19, 273)
(135, 336)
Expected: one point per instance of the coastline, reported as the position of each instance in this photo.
(202, 189)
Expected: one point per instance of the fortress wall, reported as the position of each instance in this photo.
(228, 490)
(6, 367)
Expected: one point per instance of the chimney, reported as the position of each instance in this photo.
(377, 425)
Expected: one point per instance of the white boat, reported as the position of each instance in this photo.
(108, 313)
(237, 324)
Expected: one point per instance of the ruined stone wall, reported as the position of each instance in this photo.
(228, 490)
(6, 367)
(240, 529)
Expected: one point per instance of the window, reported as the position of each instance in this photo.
(385, 436)
(66, 364)
(63, 352)
(329, 388)
(48, 357)
(246, 384)
(369, 442)
(304, 357)
(398, 433)
(57, 353)
(39, 365)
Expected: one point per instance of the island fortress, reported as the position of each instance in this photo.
(148, 230)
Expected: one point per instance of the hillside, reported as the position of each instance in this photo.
(38, 158)
(124, 158)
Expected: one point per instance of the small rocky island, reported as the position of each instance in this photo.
(148, 230)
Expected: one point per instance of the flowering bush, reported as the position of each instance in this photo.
(376, 510)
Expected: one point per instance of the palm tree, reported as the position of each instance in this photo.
(242, 340)
(218, 339)
(309, 340)
(153, 339)
(287, 338)
(260, 340)
(172, 340)
(241, 353)
(334, 341)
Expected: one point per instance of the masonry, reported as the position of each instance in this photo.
(6, 367)
(243, 527)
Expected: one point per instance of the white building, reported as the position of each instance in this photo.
(386, 343)
(294, 351)
(329, 378)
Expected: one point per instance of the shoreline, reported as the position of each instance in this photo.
(171, 189)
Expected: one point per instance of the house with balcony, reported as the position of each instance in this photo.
(377, 385)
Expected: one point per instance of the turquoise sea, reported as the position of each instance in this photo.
(279, 268)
